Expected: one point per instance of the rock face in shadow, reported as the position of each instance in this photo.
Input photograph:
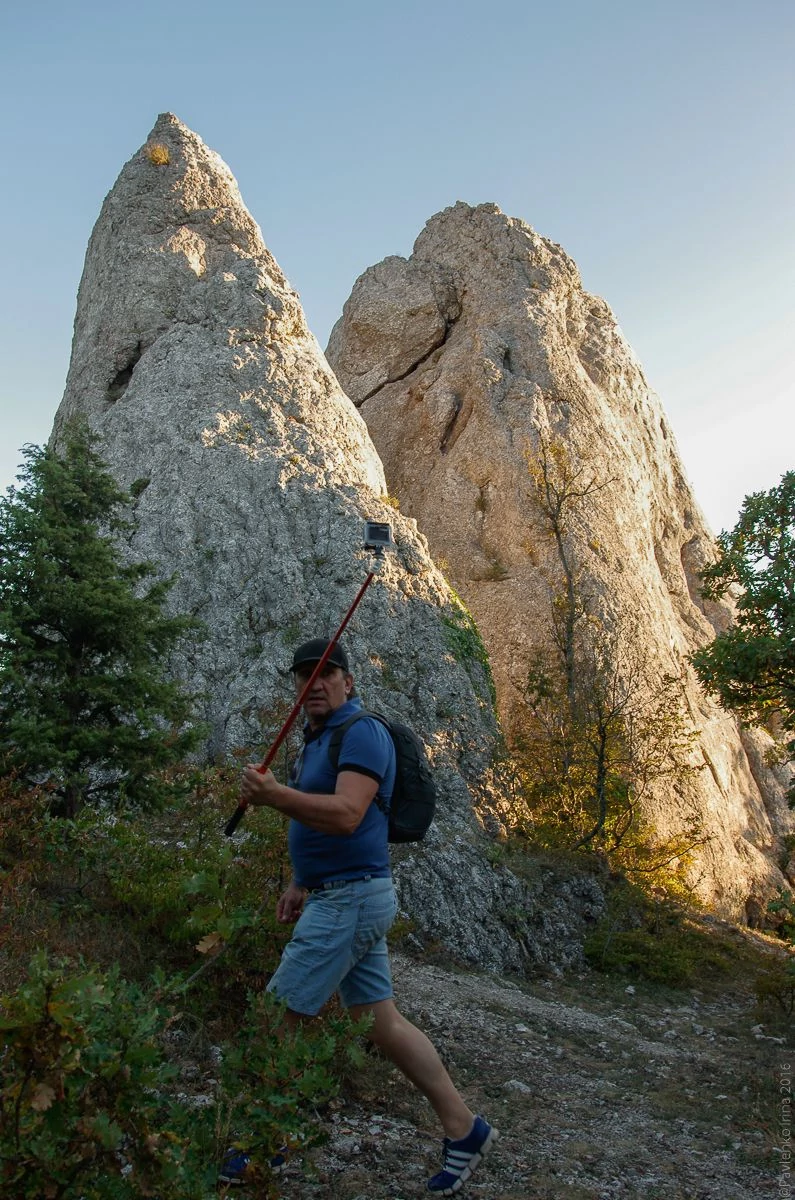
(252, 474)
(468, 361)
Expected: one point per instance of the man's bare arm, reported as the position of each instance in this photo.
(340, 813)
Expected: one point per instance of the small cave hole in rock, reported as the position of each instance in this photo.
(121, 381)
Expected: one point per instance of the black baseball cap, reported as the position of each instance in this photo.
(312, 652)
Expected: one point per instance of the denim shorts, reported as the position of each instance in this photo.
(339, 945)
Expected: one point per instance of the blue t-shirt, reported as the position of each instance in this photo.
(367, 747)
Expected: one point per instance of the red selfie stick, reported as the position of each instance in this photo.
(285, 729)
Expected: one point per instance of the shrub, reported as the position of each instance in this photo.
(79, 1090)
(272, 1083)
(168, 881)
(181, 878)
(88, 1106)
(775, 987)
(148, 888)
(654, 939)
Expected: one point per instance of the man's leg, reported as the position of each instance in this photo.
(414, 1054)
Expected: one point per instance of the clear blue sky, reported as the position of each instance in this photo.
(653, 140)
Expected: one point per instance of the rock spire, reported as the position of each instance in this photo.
(470, 361)
(252, 473)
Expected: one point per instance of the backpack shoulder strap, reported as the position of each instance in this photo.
(335, 745)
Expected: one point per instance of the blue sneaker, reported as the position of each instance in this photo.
(234, 1167)
(461, 1157)
(236, 1163)
(280, 1159)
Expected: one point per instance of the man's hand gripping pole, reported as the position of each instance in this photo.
(377, 537)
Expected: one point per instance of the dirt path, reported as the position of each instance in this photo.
(599, 1091)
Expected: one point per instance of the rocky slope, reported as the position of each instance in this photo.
(600, 1090)
(471, 360)
(252, 474)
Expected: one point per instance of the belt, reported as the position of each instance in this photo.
(338, 883)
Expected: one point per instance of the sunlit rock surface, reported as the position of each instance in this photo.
(463, 360)
(252, 474)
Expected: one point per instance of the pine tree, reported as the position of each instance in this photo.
(85, 702)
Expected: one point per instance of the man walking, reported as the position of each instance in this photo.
(343, 898)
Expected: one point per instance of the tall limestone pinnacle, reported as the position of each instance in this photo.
(252, 474)
(474, 362)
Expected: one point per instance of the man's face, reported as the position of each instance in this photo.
(329, 691)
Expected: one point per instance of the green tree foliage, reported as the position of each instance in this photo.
(84, 698)
(751, 667)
